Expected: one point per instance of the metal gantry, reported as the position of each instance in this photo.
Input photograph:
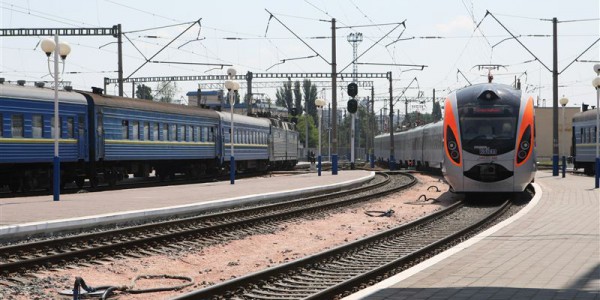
(114, 31)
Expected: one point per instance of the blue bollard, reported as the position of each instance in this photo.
(554, 165)
(334, 164)
(56, 180)
(232, 170)
(564, 166)
(372, 161)
(597, 172)
(319, 165)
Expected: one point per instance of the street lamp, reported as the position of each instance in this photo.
(563, 101)
(232, 87)
(62, 49)
(319, 103)
(596, 84)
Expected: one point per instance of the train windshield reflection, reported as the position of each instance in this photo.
(488, 131)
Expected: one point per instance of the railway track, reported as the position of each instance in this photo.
(181, 234)
(338, 272)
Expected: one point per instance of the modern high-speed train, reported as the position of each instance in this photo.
(485, 143)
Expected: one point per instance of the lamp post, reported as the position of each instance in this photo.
(596, 83)
(319, 103)
(232, 87)
(563, 102)
(62, 49)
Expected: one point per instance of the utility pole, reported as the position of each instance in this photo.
(120, 61)
(554, 98)
(249, 92)
(392, 159)
(354, 39)
(372, 125)
(334, 156)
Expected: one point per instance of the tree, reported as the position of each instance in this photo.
(436, 112)
(166, 91)
(143, 92)
(297, 97)
(310, 95)
(313, 131)
(284, 95)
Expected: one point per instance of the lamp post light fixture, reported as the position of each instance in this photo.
(596, 84)
(563, 102)
(319, 103)
(61, 49)
(232, 87)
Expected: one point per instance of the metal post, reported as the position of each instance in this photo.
(231, 140)
(598, 137)
(555, 100)
(372, 125)
(352, 132)
(392, 159)
(319, 150)
(249, 92)
(564, 160)
(329, 132)
(334, 156)
(56, 172)
(120, 62)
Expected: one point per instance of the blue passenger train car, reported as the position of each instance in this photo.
(584, 141)
(105, 138)
(134, 136)
(27, 135)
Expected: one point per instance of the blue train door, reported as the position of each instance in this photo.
(81, 137)
(100, 134)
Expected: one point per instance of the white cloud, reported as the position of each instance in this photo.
(460, 23)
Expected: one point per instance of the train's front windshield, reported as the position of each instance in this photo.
(488, 130)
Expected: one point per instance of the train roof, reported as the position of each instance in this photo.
(246, 120)
(418, 128)
(585, 115)
(36, 93)
(502, 91)
(148, 105)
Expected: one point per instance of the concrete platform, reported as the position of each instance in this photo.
(549, 250)
(35, 215)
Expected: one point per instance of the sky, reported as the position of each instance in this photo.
(441, 35)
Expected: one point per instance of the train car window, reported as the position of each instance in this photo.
(190, 131)
(581, 135)
(125, 130)
(165, 132)
(211, 135)
(155, 131)
(80, 126)
(17, 126)
(172, 132)
(181, 133)
(37, 126)
(1, 125)
(70, 127)
(135, 130)
(146, 131)
(594, 134)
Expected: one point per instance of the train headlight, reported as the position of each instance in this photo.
(524, 146)
(452, 145)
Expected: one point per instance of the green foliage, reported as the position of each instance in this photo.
(143, 92)
(166, 91)
(310, 95)
(297, 97)
(436, 112)
(284, 95)
(313, 131)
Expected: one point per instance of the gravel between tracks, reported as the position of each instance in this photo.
(221, 262)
